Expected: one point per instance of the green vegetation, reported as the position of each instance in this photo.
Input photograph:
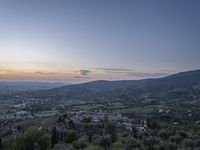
(30, 139)
(169, 105)
(111, 138)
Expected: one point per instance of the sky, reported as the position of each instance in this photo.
(85, 40)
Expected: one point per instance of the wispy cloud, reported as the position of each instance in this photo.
(145, 74)
(83, 72)
(81, 77)
(22, 75)
(112, 69)
(45, 73)
(133, 73)
(168, 71)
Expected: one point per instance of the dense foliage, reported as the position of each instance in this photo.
(111, 138)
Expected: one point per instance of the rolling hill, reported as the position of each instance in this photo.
(16, 87)
(183, 83)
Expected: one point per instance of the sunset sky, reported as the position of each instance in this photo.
(84, 40)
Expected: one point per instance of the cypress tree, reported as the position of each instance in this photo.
(54, 138)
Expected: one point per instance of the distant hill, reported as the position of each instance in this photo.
(15, 87)
(173, 85)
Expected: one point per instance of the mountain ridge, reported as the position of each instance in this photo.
(127, 88)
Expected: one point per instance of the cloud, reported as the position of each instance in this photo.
(83, 72)
(168, 71)
(133, 73)
(45, 73)
(81, 77)
(145, 74)
(115, 70)
(112, 69)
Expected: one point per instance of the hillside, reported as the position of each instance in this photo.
(181, 83)
(16, 87)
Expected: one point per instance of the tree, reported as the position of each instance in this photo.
(44, 141)
(112, 130)
(90, 138)
(151, 141)
(189, 143)
(183, 134)
(19, 128)
(194, 137)
(60, 119)
(71, 137)
(1, 147)
(71, 124)
(31, 136)
(37, 146)
(162, 146)
(176, 138)
(153, 124)
(197, 143)
(105, 141)
(171, 146)
(164, 134)
(134, 132)
(54, 138)
(81, 143)
(9, 144)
